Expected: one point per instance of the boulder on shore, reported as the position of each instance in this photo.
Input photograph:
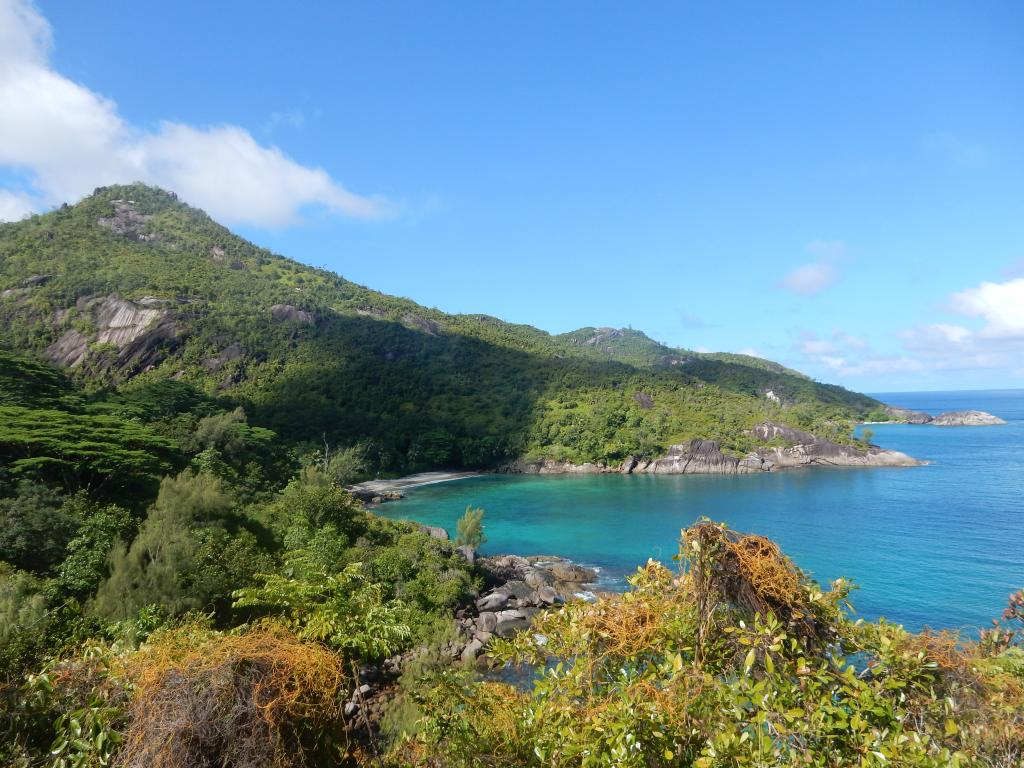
(966, 419)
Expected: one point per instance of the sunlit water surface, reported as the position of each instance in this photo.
(940, 545)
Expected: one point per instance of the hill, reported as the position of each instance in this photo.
(130, 287)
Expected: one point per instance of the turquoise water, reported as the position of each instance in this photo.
(940, 545)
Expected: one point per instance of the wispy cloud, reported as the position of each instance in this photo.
(68, 139)
(290, 118)
(993, 342)
(815, 276)
(954, 150)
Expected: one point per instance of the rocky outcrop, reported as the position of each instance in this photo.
(231, 352)
(286, 313)
(128, 222)
(700, 457)
(522, 587)
(140, 332)
(417, 323)
(966, 419)
(705, 457)
(907, 416)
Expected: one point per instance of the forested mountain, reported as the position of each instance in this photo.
(130, 287)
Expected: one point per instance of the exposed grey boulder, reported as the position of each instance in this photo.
(472, 649)
(907, 416)
(966, 419)
(434, 531)
(286, 313)
(468, 553)
(511, 627)
(570, 572)
(231, 352)
(548, 595)
(128, 222)
(509, 614)
(486, 621)
(495, 601)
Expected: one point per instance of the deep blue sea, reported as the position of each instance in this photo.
(940, 545)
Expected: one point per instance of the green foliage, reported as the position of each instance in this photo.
(85, 562)
(35, 528)
(469, 529)
(158, 566)
(101, 454)
(24, 620)
(660, 677)
(343, 609)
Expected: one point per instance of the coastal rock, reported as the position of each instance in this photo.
(552, 467)
(966, 419)
(702, 457)
(495, 601)
(907, 416)
(472, 649)
(467, 552)
(573, 573)
(548, 595)
(705, 457)
(511, 627)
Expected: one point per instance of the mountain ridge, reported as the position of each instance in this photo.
(130, 286)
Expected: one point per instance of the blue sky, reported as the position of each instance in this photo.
(839, 187)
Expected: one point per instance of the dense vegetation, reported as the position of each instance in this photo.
(160, 512)
(739, 660)
(184, 580)
(313, 356)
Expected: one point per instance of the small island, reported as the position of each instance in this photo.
(968, 418)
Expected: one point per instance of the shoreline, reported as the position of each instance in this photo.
(401, 484)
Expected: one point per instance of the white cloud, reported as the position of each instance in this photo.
(818, 275)
(69, 139)
(1000, 305)
(15, 205)
(751, 352)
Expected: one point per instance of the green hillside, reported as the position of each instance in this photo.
(131, 287)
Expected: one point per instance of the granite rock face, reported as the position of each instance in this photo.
(907, 416)
(140, 331)
(286, 313)
(522, 587)
(966, 419)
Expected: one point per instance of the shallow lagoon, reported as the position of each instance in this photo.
(940, 545)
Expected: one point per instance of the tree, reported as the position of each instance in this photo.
(157, 567)
(34, 528)
(469, 530)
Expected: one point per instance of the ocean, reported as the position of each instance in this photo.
(940, 545)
